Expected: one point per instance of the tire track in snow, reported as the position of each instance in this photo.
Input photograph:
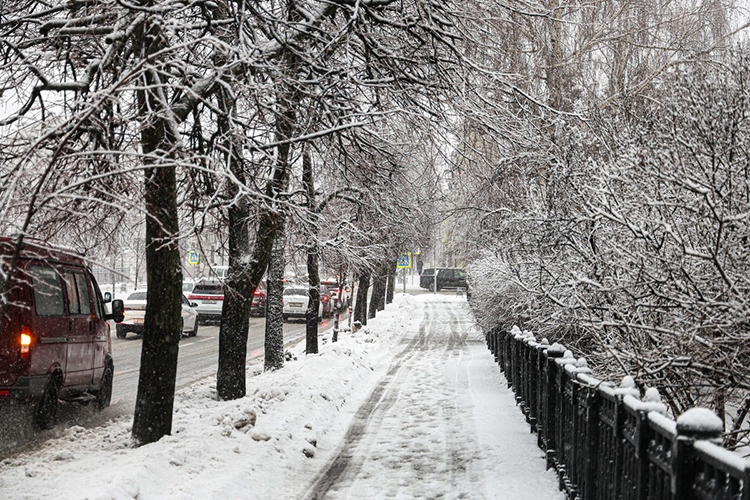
(460, 451)
(348, 459)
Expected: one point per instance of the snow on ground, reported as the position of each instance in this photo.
(412, 406)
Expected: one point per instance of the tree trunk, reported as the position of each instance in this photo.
(230, 378)
(391, 285)
(238, 288)
(274, 341)
(313, 304)
(163, 322)
(377, 300)
(313, 271)
(360, 307)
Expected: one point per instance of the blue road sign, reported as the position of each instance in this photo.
(193, 257)
(404, 261)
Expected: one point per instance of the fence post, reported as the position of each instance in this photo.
(497, 347)
(627, 387)
(651, 402)
(541, 393)
(696, 423)
(592, 442)
(554, 352)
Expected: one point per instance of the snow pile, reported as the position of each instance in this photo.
(264, 445)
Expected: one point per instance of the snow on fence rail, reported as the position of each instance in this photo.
(609, 443)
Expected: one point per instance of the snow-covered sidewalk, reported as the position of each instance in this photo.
(412, 406)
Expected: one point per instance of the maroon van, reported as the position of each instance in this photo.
(54, 337)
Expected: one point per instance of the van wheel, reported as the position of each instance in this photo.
(121, 334)
(46, 412)
(104, 394)
(194, 333)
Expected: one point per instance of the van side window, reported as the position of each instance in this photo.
(70, 289)
(83, 293)
(98, 300)
(79, 301)
(48, 293)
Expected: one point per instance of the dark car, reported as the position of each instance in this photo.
(447, 277)
(55, 342)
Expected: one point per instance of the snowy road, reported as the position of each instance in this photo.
(440, 424)
(198, 358)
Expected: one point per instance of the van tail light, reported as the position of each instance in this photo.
(325, 298)
(257, 292)
(25, 343)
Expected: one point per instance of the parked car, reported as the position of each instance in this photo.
(296, 299)
(208, 296)
(341, 294)
(447, 277)
(187, 286)
(55, 341)
(260, 299)
(135, 314)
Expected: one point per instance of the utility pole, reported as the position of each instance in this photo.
(435, 270)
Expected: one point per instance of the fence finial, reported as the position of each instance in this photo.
(700, 423)
(628, 387)
(652, 401)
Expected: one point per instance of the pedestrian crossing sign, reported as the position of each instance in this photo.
(404, 261)
(193, 257)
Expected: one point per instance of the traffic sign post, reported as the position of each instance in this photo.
(404, 262)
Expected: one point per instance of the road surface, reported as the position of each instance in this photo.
(198, 358)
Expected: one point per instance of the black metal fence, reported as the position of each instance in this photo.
(608, 443)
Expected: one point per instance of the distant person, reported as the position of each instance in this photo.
(420, 265)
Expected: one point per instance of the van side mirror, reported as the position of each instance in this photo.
(118, 311)
(107, 297)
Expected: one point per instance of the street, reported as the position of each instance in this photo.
(198, 355)
(198, 359)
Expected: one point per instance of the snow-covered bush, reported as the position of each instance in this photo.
(635, 252)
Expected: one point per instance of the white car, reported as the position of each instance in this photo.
(135, 313)
(295, 303)
(208, 297)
